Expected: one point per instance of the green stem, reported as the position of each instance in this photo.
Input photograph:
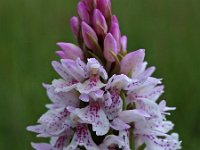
(123, 98)
(131, 138)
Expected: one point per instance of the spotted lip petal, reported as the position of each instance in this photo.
(60, 142)
(142, 84)
(154, 143)
(116, 106)
(82, 137)
(149, 92)
(52, 123)
(94, 115)
(91, 85)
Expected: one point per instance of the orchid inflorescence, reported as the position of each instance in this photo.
(106, 98)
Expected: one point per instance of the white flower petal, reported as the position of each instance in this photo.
(82, 68)
(135, 115)
(84, 97)
(58, 143)
(149, 107)
(118, 124)
(61, 85)
(61, 71)
(96, 68)
(72, 69)
(41, 146)
(116, 106)
(107, 99)
(142, 83)
(118, 82)
(124, 135)
(54, 121)
(62, 99)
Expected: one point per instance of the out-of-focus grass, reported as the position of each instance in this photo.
(29, 29)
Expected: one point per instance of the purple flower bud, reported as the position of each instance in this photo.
(91, 4)
(115, 31)
(110, 45)
(61, 54)
(105, 8)
(82, 12)
(114, 19)
(124, 43)
(69, 51)
(89, 36)
(75, 26)
(99, 23)
(131, 61)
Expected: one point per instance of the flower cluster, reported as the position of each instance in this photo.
(105, 98)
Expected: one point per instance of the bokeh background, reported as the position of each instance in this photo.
(167, 29)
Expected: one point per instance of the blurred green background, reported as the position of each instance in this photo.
(167, 29)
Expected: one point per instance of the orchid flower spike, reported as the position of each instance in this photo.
(104, 98)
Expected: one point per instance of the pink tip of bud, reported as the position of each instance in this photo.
(82, 12)
(124, 43)
(61, 54)
(69, 51)
(115, 31)
(75, 26)
(114, 19)
(131, 61)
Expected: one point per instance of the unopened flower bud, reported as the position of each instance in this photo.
(123, 44)
(115, 31)
(83, 12)
(105, 8)
(131, 61)
(75, 26)
(110, 46)
(91, 4)
(99, 23)
(69, 51)
(89, 36)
